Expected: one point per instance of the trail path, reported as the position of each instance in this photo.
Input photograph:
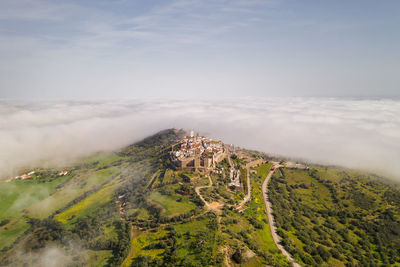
(214, 206)
(248, 195)
(271, 219)
(226, 258)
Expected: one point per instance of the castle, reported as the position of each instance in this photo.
(197, 153)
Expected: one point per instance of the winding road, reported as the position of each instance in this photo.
(214, 206)
(271, 219)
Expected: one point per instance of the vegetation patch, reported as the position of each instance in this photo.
(87, 205)
(10, 232)
(142, 244)
(94, 258)
(17, 195)
(75, 187)
(173, 205)
(327, 216)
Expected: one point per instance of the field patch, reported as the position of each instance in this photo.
(94, 258)
(74, 188)
(140, 243)
(87, 205)
(17, 195)
(11, 231)
(173, 205)
(196, 241)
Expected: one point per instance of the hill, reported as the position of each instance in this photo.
(135, 207)
(336, 217)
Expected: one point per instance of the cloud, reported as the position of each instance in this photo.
(352, 133)
(49, 256)
(53, 257)
(122, 29)
(27, 199)
(28, 10)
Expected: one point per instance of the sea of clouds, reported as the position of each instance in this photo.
(362, 134)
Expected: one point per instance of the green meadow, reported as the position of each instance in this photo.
(74, 188)
(173, 205)
(90, 204)
(15, 197)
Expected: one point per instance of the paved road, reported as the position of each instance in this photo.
(271, 219)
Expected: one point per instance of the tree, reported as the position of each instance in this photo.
(237, 256)
(325, 255)
(141, 261)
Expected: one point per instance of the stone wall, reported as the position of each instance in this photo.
(254, 163)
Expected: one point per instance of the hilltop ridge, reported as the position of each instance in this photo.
(226, 206)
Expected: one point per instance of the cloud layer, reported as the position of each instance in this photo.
(353, 133)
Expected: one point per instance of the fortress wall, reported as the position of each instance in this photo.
(220, 157)
(254, 163)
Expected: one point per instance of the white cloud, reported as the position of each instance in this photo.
(353, 133)
(32, 10)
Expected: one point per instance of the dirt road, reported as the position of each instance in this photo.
(271, 219)
(214, 206)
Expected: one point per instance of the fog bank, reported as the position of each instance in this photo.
(352, 133)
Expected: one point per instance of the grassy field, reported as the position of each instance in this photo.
(17, 195)
(94, 258)
(195, 240)
(88, 205)
(200, 181)
(257, 208)
(14, 229)
(35, 198)
(173, 205)
(74, 188)
(198, 225)
(192, 241)
(319, 195)
(139, 242)
(103, 159)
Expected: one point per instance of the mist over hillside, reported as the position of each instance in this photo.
(352, 133)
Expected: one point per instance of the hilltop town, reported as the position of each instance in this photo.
(197, 153)
(179, 199)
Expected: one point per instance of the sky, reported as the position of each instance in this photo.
(203, 49)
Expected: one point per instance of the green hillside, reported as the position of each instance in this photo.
(77, 214)
(336, 217)
(134, 208)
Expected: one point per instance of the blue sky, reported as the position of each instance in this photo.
(185, 49)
